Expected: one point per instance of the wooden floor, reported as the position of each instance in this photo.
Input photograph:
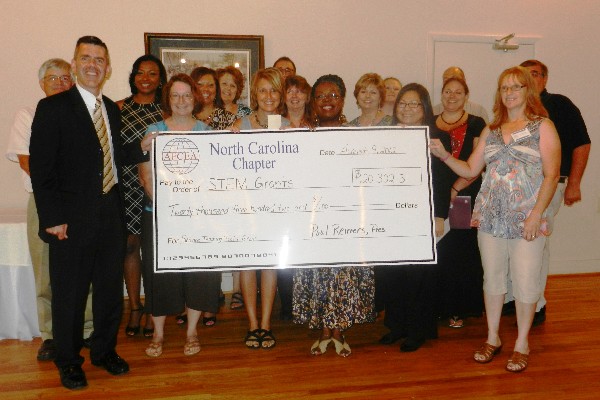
(564, 362)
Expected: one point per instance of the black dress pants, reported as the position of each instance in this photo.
(409, 299)
(92, 254)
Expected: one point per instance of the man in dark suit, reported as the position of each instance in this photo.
(75, 163)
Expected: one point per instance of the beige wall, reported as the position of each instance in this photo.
(334, 36)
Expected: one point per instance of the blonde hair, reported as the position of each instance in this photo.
(367, 79)
(275, 78)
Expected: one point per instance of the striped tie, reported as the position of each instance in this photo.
(108, 177)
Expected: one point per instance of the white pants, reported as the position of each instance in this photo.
(519, 257)
(552, 211)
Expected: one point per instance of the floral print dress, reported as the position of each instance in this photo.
(335, 297)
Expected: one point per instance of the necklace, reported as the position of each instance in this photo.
(301, 124)
(372, 121)
(258, 122)
(452, 123)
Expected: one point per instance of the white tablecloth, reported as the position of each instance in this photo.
(18, 311)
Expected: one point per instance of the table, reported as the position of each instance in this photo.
(18, 311)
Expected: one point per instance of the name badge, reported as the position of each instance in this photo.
(274, 121)
(520, 135)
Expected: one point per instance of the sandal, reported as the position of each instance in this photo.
(154, 349)
(456, 322)
(517, 362)
(342, 348)
(486, 353)
(181, 319)
(237, 301)
(148, 332)
(267, 340)
(209, 321)
(253, 339)
(192, 346)
(320, 346)
(134, 330)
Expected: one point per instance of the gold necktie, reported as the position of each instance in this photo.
(108, 176)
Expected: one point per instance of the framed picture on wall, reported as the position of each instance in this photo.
(181, 53)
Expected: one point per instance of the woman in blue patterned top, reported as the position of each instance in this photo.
(521, 152)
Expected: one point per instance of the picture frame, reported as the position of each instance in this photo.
(182, 52)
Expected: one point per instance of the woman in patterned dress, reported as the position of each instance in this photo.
(212, 114)
(332, 299)
(139, 110)
(521, 152)
(369, 92)
(231, 83)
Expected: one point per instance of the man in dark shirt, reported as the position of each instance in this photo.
(575, 148)
(572, 131)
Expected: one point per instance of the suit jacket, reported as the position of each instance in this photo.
(66, 162)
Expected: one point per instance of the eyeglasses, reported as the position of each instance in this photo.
(332, 96)
(536, 74)
(412, 104)
(56, 78)
(448, 92)
(513, 88)
(177, 96)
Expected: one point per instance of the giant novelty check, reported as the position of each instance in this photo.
(293, 198)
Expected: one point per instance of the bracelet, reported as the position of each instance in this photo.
(455, 189)
(444, 159)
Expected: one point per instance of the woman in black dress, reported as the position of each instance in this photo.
(461, 273)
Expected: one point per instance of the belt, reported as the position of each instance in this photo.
(562, 179)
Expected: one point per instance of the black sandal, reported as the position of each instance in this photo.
(134, 330)
(253, 339)
(237, 301)
(267, 340)
(181, 319)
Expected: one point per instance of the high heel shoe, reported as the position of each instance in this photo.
(134, 330)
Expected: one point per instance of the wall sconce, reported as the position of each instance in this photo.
(502, 44)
